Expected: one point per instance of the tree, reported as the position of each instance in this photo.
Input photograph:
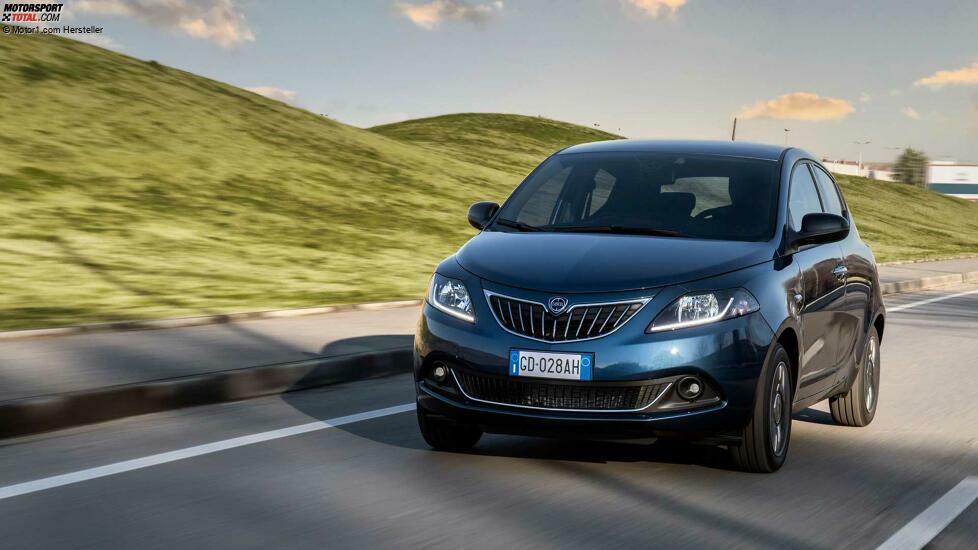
(911, 167)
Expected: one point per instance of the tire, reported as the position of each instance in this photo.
(444, 435)
(858, 406)
(766, 436)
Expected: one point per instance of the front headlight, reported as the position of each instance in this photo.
(700, 308)
(451, 296)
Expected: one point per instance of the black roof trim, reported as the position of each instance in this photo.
(691, 147)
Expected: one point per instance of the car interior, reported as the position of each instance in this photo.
(709, 200)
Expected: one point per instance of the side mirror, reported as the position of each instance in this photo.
(480, 213)
(820, 228)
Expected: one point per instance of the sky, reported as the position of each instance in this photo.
(894, 73)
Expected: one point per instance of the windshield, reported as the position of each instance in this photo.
(709, 197)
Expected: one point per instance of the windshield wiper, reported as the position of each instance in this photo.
(517, 225)
(621, 229)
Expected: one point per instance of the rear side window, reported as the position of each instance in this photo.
(830, 194)
(804, 197)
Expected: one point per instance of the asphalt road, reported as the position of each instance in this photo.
(202, 477)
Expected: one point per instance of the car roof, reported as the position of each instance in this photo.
(690, 147)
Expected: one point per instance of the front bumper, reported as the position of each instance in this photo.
(728, 355)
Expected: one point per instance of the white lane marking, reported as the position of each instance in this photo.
(935, 518)
(46, 483)
(929, 301)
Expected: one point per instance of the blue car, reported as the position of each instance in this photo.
(655, 289)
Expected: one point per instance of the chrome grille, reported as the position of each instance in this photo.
(579, 322)
(551, 395)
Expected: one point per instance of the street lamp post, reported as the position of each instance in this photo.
(859, 167)
(786, 130)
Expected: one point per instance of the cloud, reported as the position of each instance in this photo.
(910, 112)
(653, 8)
(799, 106)
(271, 92)
(219, 21)
(430, 15)
(100, 40)
(965, 76)
(865, 97)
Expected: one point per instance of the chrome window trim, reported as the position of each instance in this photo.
(489, 294)
(652, 403)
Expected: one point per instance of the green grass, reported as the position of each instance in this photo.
(508, 143)
(132, 190)
(902, 222)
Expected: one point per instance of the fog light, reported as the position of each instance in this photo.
(689, 388)
(440, 372)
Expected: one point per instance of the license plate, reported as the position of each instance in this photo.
(545, 364)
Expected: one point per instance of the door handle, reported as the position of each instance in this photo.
(840, 271)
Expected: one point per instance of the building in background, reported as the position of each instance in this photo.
(953, 178)
(875, 170)
(943, 176)
(847, 167)
(879, 171)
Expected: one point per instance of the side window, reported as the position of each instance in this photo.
(833, 204)
(803, 198)
(539, 209)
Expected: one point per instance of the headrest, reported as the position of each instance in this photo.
(740, 191)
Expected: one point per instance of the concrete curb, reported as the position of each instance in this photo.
(928, 260)
(51, 412)
(199, 321)
(928, 282)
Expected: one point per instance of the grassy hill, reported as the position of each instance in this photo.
(132, 190)
(902, 222)
(504, 142)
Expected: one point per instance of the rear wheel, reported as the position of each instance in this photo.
(766, 435)
(858, 407)
(445, 435)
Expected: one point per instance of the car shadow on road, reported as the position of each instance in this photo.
(349, 360)
(406, 436)
(403, 432)
(361, 344)
(814, 416)
(600, 452)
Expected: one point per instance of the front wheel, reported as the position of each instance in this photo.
(444, 435)
(766, 435)
(858, 406)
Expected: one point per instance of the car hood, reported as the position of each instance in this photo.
(586, 262)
